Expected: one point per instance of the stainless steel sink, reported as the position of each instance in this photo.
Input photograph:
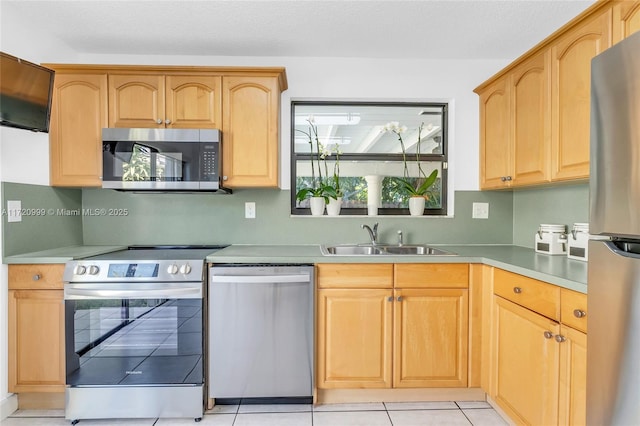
(350, 250)
(382, 249)
(415, 249)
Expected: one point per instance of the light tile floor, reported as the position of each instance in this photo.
(463, 413)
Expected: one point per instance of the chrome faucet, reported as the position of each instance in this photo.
(400, 238)
(373, 233)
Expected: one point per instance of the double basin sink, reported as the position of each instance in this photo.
(382, 249)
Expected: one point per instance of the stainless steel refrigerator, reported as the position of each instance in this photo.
(613, 347)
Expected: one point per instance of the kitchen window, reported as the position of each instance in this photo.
(369, 159)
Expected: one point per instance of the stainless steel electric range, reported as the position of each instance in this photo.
(134, 322)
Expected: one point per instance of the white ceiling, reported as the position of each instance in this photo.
(439, 29)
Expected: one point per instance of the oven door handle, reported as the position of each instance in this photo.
(184, 292)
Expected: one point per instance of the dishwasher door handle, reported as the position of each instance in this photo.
(260, 279)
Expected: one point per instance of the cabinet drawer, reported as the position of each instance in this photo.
(355, 275)
(432, 275)
(37, 277)
(532, 294)
(573, 309)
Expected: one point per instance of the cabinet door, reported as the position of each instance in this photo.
(136, 101)
(36, 341)
(570, 93)
(626, 19)
(495, 138)
(354, 338)
(193, 102)
(250, 131)
(78, 114)
(525, 364)
(573, 377)
(531, 121)
(430, 338)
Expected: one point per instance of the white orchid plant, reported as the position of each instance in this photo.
(424, 182)
(320, 186)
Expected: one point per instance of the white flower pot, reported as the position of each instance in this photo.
(317, 206)
(333, 208)
(416, 206)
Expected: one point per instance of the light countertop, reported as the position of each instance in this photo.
(60, 255)
(558, 270)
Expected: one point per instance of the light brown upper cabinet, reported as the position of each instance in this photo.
(172, 101)
(514, 127)
(250, 131)
(495, 139)
(571, 58)
(626, 19)
(78, 114)
(244, 103)
(534, 114)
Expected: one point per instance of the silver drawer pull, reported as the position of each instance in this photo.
(517, 290)
(548, 335)
(579, 313)
(36, 277)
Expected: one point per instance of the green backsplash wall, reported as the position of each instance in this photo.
(565, 204)
(45, 223)
(219, 219)
(206, 219)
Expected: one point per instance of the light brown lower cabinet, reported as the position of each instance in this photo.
(538, 364)
(573, 378)
(386, 337)
(526, 364)
(36, 329)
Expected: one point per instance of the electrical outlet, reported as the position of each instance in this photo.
(14, 211)
(250, 210)
(480, 211)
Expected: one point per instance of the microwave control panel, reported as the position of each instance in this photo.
(210, 162)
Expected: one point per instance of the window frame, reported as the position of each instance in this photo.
(347, 212)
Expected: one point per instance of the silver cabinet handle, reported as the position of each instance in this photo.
(503, 178)
(560, 338)
(36, 277)
(399, 299)
(579, 313)
(517, 290)
(390, 299)
(167, 121)
(509, 178)
(159, 121)
(548, 335)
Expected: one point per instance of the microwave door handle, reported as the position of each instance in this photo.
(102, 293)
(260, 279)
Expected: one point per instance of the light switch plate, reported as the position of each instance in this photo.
(14, 211)
(250, 210)
(480, 211)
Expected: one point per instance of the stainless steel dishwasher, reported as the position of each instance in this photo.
(261, 332)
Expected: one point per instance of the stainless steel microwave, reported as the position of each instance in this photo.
(161, 160)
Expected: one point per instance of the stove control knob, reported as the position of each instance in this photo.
(185, 269)
(80, 270)
(93, 270)
(172, 269)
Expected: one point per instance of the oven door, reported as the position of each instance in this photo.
(121, 334)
